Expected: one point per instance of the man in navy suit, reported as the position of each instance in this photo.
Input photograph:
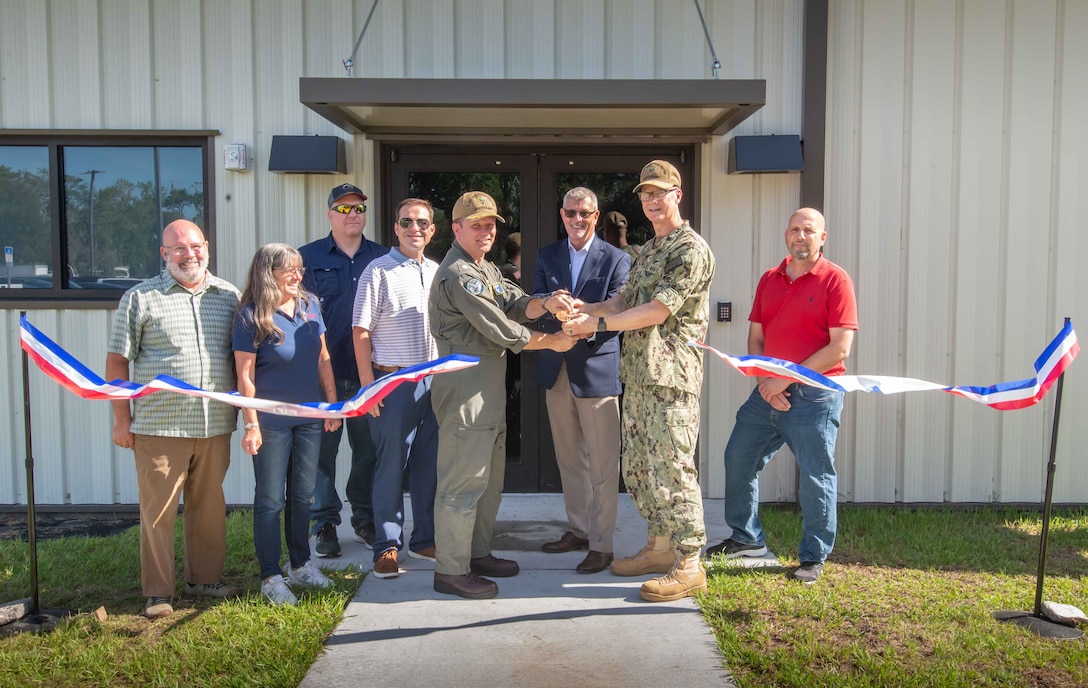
(583, 384)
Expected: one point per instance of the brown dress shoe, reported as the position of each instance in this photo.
(467, 585)
(568, 543)
(493, 566)
(594, 562)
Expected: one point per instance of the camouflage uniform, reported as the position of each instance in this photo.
(472, 311)
(662, 377)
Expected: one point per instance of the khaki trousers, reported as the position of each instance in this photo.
(167, 467)
(586, 433)
(470, 406)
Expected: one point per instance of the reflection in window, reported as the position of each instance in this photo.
(24, 217)
(117, 200)
(443, 189)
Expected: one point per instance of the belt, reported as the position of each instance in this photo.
(385, 368)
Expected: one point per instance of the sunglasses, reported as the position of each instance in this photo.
(654, 195)
(300, 271)
(571, 214)
(345, 209)
(184, 250)
(407, 222)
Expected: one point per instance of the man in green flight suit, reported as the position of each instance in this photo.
(474, 311)
(664, 304)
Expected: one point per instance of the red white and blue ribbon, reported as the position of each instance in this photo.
(1004, 396)
(77, 378)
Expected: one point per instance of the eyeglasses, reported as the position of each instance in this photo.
(407, 222)
(298, 271)
(183, 249)
(345, 209)
(655, 195)
(571, 214)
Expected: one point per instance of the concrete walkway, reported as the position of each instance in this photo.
(548, 626)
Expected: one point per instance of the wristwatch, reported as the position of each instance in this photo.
(601, 327)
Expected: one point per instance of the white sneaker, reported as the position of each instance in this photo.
(278, 591)
(308, 575)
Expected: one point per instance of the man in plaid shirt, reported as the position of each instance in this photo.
(178, 324)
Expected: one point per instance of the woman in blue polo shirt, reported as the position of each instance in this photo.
(280, 355)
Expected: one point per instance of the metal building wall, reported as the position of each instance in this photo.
(952, 176)
(956, 176)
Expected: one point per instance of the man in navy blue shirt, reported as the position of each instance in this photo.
(333, 266)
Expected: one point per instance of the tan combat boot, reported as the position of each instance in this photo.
(684, 580)
(656, 557)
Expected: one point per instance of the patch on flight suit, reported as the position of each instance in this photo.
(474, 286)
(497, 289)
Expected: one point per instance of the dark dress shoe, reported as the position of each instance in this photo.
(568, 543)
(594, 562)
(493, 566)
(467, 585)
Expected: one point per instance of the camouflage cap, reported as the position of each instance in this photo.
(475, 205)
(658, 173)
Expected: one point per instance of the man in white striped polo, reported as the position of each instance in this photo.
(391, 332)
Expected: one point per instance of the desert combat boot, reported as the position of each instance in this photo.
(656, 557)
(685, 579)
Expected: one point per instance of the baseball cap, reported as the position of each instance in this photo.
(343, 190)
(475, 205)
(660, 174)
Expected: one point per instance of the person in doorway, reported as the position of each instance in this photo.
(664, 304)
(614, 230)
(584, 383)
(391, 332)
(181, 443)
(280, 353)
(474, 311)
(511, 267)
(805, 311)
(333, 266)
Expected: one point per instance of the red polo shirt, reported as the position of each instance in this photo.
(797, 315)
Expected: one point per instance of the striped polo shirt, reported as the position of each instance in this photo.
(391, 304)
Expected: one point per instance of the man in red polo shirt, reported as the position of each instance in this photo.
(804, 312)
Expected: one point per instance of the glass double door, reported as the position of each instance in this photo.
(528, 185)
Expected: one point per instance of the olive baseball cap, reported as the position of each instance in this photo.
(658, 173)
(475, 205)
(343, 190)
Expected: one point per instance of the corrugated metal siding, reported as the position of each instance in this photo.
(955, 173)
(950, 141)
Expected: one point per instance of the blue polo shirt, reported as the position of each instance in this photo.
(333, 276)
(286, 371)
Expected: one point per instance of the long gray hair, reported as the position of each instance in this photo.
(263, 292)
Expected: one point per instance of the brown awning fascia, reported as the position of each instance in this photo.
(653, 107)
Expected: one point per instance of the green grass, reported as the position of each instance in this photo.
(905, 600)
(240, 642)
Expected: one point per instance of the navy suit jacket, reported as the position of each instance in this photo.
(593, 367)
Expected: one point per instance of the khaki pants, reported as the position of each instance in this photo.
(470, 406)
(586, 433)
(166, 467)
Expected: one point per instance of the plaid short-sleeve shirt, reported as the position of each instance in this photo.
(164, 329)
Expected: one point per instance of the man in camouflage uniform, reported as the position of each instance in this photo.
(474, 311)
(663, 305)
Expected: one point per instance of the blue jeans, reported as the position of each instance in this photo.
(405, 434)
(284, 468)
(327, 505)
(809, 428)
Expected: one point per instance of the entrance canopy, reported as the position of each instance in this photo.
(639, 107)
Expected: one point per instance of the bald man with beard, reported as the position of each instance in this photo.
(178, 323)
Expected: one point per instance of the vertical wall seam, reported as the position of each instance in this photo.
(954, 239)
(1003, 221)
(1055, 173)
(904, 237)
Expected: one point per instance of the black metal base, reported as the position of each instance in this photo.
(42, 622)
(1038, 625)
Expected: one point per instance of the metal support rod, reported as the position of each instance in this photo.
(349, 63)
(1049, 498)
(31, 533)
(715, 65)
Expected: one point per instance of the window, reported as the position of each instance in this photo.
(94, 204)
